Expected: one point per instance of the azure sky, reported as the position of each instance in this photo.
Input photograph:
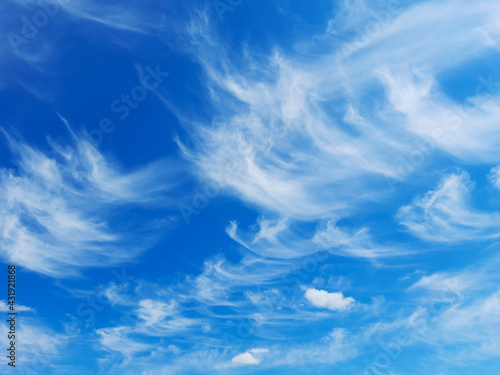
(250, 187)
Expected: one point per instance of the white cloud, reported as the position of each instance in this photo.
(36, 51)
(299, 138)
(476, 323)
(447, 282)
(445, 215)
(354, 243)
(121, 339)
(494, 176)
(331, 301)
(452, 323)
(269, 229)
(286, 239)
(153, 312)
(56, 208)
(5, 307)
(248, 357)
(116, 294)
(295, 138)
(456, 315)
(336, 346)
(38, 347)
(477, 279)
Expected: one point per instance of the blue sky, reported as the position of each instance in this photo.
(251, 187)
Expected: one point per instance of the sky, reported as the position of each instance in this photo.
(251, 187)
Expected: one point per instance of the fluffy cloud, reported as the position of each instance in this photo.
(248, 358)
(331, 301)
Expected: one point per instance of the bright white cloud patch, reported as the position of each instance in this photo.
(331, 301)
(249, 357)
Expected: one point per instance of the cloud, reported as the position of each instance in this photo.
(446, 282)
(153, 312)
(494, 176)
(456, 314)
(122, 18)
(38, 347)
(286, 239)
(6, 308)
(336, 346)
(353, 243)
(115, 294)
(34, 41)
(58, 209)
(118, 339)
(445, 215)
(476, 323)
(299, 137)
(162, 319)
(306, 138)
(248, 357)
(332, 301)
(451, 322)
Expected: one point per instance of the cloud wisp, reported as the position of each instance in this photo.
(58, 210)
(445, 215)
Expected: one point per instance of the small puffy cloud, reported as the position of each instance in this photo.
(332, 301)
(248, 357)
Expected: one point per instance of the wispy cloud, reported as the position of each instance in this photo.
(494, 177)
(308, 137)
(289, 135)
(5, 307)
(41, 346)
(58, 210)
(445, 214)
